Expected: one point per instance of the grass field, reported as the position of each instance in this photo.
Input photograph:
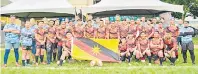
(195, 40)
(82, 67)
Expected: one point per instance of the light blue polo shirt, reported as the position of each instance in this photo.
(187, 38)
(11, 37)
(26, 36)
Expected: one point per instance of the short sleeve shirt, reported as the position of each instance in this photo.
(11, 37)
(26, 36)
(187, 38)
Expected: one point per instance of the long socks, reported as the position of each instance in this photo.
(149, 58)
(54, 56)
(36, 57)
(41, 57)
(28, 61)
(129, 59)
(161, 60)
(23, 62)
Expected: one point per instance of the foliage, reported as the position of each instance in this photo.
(187, 6)
(194, 9)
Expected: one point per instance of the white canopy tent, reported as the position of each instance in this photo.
(128, 7)
(39, 8)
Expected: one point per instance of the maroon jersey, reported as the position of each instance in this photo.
(113, 31)
(89, 31)
(101, 31)
(123, 30)
(173, 30)
(161, 32)
(41, 35)
(171, 44)
(133, 29)
(51, 34)
(149, 30)
(78, 31)
(56, 29)
(155, 41)
(123, 47)
(143, 44)
(131, 43)
(67, 43)
(62, 33)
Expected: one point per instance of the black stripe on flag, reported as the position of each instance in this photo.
(103, 49)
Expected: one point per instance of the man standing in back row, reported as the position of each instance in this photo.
(12, 32)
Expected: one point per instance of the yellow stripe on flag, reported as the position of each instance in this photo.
(79, 54)
(111, 44)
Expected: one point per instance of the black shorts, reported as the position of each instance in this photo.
(55, 45)
(168, 49)
(41, 46)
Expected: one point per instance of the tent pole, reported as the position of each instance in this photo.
(82, 14)
(28, 14)
(75, 15)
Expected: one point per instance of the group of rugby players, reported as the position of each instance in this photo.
(142, 38)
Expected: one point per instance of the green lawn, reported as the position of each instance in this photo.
(83, 67)
(195, 40)
(109, 68)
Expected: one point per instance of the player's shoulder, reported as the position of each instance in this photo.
(190, 28)
(7, 24)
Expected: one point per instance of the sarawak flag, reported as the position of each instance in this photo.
(95, 49)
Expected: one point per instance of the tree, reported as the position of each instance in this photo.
(187, 5)
(194, 9)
